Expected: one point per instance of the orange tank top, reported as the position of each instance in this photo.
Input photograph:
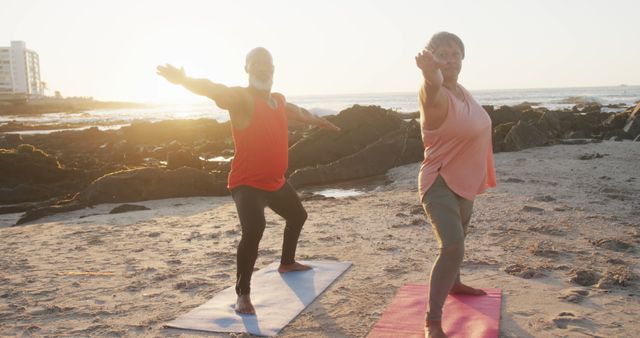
(262, 149)
(460, 150)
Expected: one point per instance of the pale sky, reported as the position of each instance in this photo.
(109, 49)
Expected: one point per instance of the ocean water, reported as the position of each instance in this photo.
(552, 98)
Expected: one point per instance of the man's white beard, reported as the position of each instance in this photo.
(260, 84)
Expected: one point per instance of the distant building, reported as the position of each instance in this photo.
(20, 71)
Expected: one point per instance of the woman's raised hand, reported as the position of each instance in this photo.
(426, 61)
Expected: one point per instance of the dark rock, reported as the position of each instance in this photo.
(499, 133)
(178, 159)
(184, 131)
(589, 107)
(633, 123)
(524, 106)
(587, 123)
(616, 121)
(580, 134)
(296, 136)
(138, 185)
(523, 136)
(615, 135)
(373, 160)
(24, 206)
(11, 140)
(550, 122)
(532, 116)
(583, 277)
(34, 214)
(360, 127)
(489, 109)
(413, 150)
(24, 193)
(616, 105)
(409, 116)
(504, 114)
(152, 183)
(28, 165)
(127, 207)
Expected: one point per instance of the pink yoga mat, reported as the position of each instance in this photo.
(463, 316)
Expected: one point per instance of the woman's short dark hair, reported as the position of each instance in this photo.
(443, 39)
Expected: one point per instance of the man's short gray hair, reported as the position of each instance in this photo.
(258, 51)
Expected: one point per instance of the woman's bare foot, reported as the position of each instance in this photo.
(461, 289)
(433, 329)
(293, 267)
(244, 306)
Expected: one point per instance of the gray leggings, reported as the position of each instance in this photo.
(449, 215)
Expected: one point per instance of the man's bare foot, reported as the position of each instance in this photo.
(293, 267)
(433, 329)
(461, 289)
(244, 306)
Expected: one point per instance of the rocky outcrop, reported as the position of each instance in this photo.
(75, 169)
(30, 174)
(632, 125)
(152, 183)
(360, 127)
(523, 136)
(391, 150)
(137, 185)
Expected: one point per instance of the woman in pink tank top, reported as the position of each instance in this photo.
(457, 166)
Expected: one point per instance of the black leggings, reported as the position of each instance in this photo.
(250, 203)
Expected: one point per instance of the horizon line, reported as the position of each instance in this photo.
(201, 99)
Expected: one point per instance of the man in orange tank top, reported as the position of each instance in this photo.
(256, 181)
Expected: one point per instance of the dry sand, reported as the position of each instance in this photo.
(88, 273)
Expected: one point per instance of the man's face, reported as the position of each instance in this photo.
(260, 66)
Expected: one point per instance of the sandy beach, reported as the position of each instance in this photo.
(553, 218)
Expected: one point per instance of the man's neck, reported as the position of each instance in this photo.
(265, 94)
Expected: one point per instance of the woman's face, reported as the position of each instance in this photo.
(451, 55)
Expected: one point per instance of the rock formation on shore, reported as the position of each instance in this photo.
(48, 173)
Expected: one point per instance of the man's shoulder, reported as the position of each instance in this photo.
(241, 94)
(279, 96)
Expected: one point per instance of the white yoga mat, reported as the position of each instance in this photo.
(278, 299)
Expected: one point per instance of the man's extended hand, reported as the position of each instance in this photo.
(171, 73)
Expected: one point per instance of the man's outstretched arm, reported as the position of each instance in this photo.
(299, 114)
(225, 97)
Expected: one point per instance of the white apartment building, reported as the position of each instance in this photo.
(20, 70)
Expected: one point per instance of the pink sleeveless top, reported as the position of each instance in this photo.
(460, 150)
